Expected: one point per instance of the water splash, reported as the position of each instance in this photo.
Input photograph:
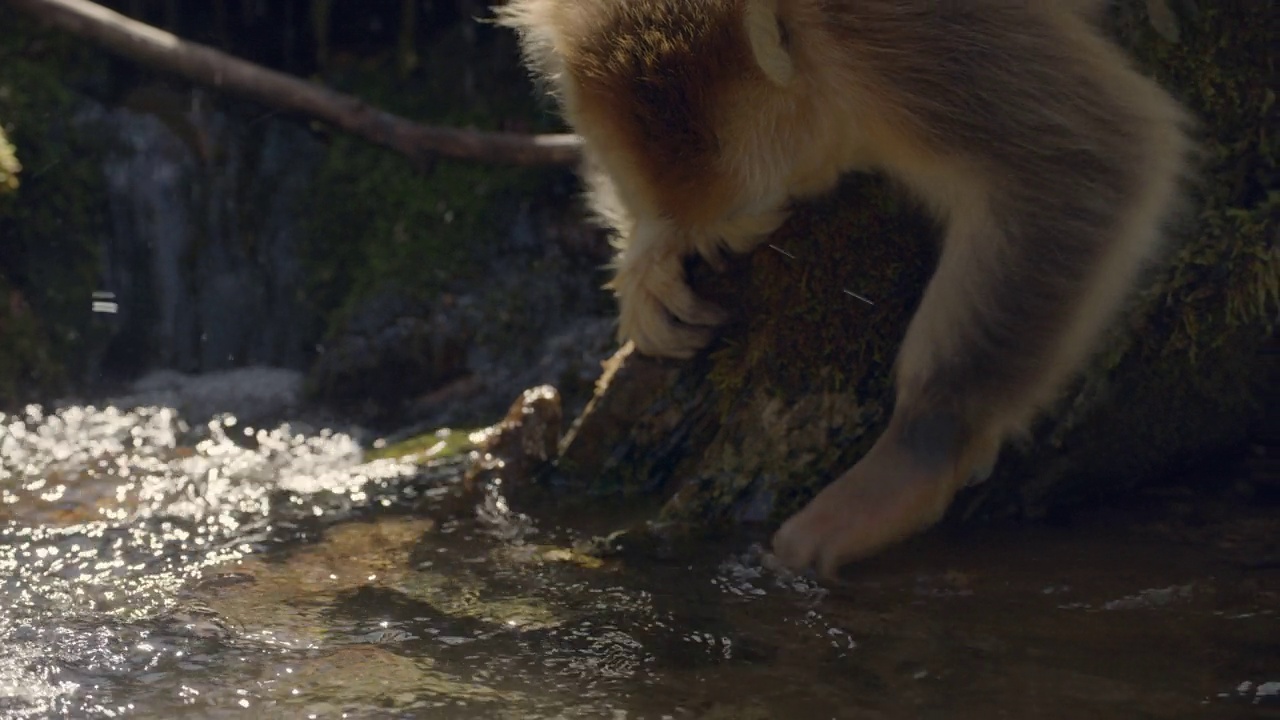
(106, 515)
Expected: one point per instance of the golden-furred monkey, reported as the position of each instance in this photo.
(1051, 163)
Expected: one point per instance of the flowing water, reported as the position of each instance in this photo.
(150, 569)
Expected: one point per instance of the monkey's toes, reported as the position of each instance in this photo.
(798, 542)
(866, 510)
(825, 536)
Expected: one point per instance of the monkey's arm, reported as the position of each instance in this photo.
(1031, 273)
(1017, 300)
(1053, 165)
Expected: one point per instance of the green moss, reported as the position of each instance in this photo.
(837, 316)
(26, 358)
(50, 225)
(437, 445)
(9, 165)
(1227, 273)
(378, 222)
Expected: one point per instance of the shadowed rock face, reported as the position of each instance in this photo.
(202, 258)
(798, 386)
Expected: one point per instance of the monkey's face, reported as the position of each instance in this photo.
(676, 99)
(653, 95)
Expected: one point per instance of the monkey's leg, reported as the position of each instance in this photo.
(1001, 325)
(904, 484)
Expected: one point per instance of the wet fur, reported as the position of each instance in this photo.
(1052, 163)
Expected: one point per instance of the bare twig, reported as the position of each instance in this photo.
(165, 51)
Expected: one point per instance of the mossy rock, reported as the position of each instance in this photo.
(9, 165)
(391, 245)
(796, 390)
(53, 211)
(378, 223)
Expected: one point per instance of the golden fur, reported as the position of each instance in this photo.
(1052, 163)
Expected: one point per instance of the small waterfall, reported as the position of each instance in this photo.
(206, 212)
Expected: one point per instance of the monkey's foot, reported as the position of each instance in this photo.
(887, 497)
(658, 310)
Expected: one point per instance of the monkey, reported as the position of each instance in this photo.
(1052, 165)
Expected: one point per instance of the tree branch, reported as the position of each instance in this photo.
(151, 46)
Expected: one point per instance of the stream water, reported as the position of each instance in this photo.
(150, 569)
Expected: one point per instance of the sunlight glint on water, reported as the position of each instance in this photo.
(151, 569)
(106, 515)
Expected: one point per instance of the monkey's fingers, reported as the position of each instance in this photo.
(656, 334)
(645, 320)
(716, 255)
(661, 314)
(882, 500)
(679, 300)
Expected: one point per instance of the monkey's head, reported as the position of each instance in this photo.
(685, 104)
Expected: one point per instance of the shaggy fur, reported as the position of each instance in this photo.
(1051, 162)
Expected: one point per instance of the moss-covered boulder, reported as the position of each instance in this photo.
(447, 287)
(797, 389)
(52, 215)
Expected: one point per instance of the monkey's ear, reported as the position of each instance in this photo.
(766, 35)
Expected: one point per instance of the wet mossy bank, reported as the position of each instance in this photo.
(798, 387)
(441, 281)
(374, 274)
(52, 215)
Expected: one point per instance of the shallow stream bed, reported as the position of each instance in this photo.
(152, 570)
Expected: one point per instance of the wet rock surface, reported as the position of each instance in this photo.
(523, 443)
(459, 360)
(393, 349)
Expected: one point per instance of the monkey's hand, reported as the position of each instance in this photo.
(658, 310)
(898, 489)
